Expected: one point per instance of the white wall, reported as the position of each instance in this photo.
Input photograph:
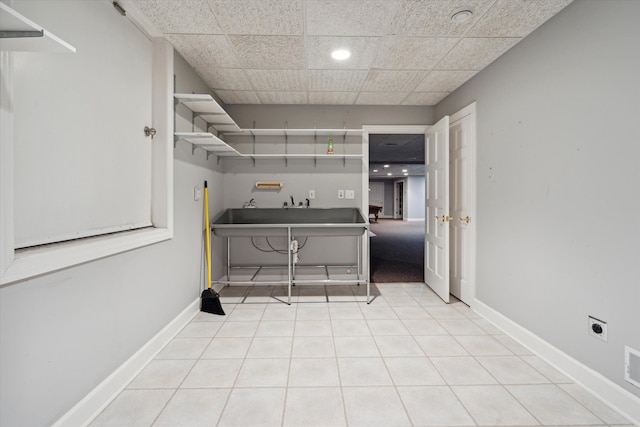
(384, 195)
(63, 333)
(376, 193)
(414, 198)
(558, 194)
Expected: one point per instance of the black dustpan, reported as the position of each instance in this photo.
(210, 302)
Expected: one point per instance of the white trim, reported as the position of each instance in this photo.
(94, 403)
(413, 219)
(606, 390)
(6, 162)
(23, 264)
(38, 261)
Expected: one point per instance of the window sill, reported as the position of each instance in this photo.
(29, 263)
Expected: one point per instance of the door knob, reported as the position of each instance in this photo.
(444, 218)
(466, 219)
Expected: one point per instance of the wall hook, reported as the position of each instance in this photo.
(149, 131)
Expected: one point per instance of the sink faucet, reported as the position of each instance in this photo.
(292, 202)
(251, 204)
(308, 203)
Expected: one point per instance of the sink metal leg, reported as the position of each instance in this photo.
(289, 264)
(359, 245)
(368, 272)
(228, 259)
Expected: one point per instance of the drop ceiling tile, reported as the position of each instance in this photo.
(283, 97)
(225, 78)
(204, 51)
(273, 52)
(187, 16)
(424, 98)
(363, 52)
(393, 80)
(336, 80)
(349, 17)
(332, 98)
(430, 18)
(266, 17)
(516, 18)
(413, 53)
(444, 81)
(475, 54)
(380, 98)
(278, 80)
(238, 96)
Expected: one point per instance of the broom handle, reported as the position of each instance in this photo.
(207, 233)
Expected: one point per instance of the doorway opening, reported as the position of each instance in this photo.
(396, 207)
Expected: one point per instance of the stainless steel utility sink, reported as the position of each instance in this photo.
(301, 221)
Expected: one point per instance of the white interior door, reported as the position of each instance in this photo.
(436, 242)
(462, 224)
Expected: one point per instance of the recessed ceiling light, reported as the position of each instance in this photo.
(340, 54)
(375, 170)
(406, 174)
(386, 166)
(404, 170)
(389, 174)
(461, 15)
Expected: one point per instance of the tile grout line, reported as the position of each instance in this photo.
(235, 381)
(286, 384)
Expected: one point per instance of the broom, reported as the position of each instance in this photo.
(210, 300)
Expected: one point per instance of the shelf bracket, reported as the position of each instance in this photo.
(286, 144)
(315, 144)
(344, 145)
(253, 136)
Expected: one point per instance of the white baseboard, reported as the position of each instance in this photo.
(98, 399)
(413, 219)
(605, 389)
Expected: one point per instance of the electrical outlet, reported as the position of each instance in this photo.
(340, 194)
(349, 194)
(197, 193)
(312, 194)
(598, 328)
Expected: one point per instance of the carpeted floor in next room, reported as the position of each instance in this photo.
(397, 251)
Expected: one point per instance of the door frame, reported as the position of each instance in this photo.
(397, 212)
(366, 131)
(421, 129)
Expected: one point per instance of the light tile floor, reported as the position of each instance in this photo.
(329, 359)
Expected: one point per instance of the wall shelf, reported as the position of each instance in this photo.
(19, 34)
(208, 142)
(298, 132)
(206, 108)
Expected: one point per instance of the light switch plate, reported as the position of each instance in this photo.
(197, 193)
(312, 194)
(350, 194)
